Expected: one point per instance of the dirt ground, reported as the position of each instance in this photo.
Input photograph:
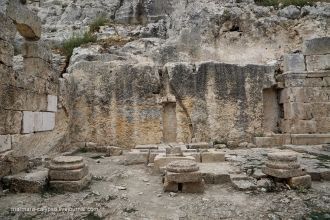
(135, 192)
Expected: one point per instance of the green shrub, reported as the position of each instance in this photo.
(76, 41)
(275, 3)
(97, 23)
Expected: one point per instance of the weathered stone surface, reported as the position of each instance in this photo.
(200, 145)
(5, 143)
(13, 122)
(310, 139)
(297, 126)
(182, 166)
(67, 160)
(276, 140)
(68, 175)
(28, 122)
(170, 186)
(33, 182)
(318, 62)
(283, 165)
(36, 49)
(281, 173)
(39, 68)
(212, 157)
(194, 187)
(27, 23)
(146, 146)
(242, 182)
(136, 158)
(296, 110)
(184, 177)
(52, 103)
(300, 181)
(66, 166)
(161, 160)
(294, 62)
(285, 156)
(6, 53)
(316, 46)
(44, 121)
(8, 29)
(71, 186)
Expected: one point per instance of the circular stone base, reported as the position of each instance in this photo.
(182, 166)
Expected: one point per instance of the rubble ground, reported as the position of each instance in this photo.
(136, 192)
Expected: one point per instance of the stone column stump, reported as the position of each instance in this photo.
(68, 173)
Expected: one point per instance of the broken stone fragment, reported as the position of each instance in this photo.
(300, 182)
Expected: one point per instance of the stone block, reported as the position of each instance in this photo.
(28, 122)
(115, 151)
(321, 109)
(316, 46)
(323, 125)
(70, 186)
(52, 103)
(27, 23)
(301, 80)
(310, 139)
(34, 182)
(6, 53)
(326, 81)
(281, 173)
(52, 87)
(212, 157)
(298, 126)
(276, 140)
(36, 49)
(146, 146)
(13, 122)
(5, 143)
(196, 155)
(325, 175)
(161, 160)
(184, 177)
(294, 62)
(199, 145)
(39, 68)
(297, 110)
(318, 62)
(300, 181)
(295, 94)
(170, 186)
(67, 166)
(4, 168)
(68, 175)
(136, 158)
(195, 187)
(44, 121)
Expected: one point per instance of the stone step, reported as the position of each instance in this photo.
(295, 139)
(33, 182)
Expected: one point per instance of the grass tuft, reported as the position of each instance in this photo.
(76, 41)
(95, 25)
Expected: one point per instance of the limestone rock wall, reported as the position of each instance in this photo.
(115, 103)
(217, 101)
(29, 118)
